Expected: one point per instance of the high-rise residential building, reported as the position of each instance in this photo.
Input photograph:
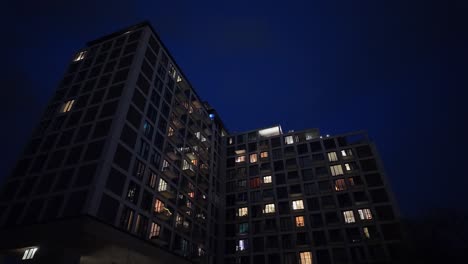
(129, 165)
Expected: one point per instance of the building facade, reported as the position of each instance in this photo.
(129, 165)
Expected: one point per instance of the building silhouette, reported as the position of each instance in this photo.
(129, 165)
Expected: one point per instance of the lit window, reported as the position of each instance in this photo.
(155, 230)
(298, 205)
(165, 165)
(253, 158)
(336, 170)
(240, 159)
(346, 153)
(242, 245)
(349, 217)
(269, 208)
(243, 228)
(158, 206)
(264, 154)
(267, 179)
(306, 257)
(152, 179)
(170, 132)
(81, 55)
(300, 221)
(29, 253)
(340, 185)
(162, 186)
(179, 220)
(67, 106)
(255, 183)
(366, 232)
(348, 167)
(230, 141)
(332, 156)
(365, 214)
(242, 211)
(289, 140)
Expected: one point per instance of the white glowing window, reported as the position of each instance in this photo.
(306, 257)
(67, 106)
(332, 156)
(162, 186)
(29, 253)
(348, 167)
(264, 154)
(300, 221)
(253, 158)
(346, 153)
(298, 205)
(365, 230)
(336, 170)
(81, 55)
(155, 230)
(269, 208)
(230, 141)
(170, 132)
(165, 165)
(242, 211)
(242, 245)
(289, 140)
(365, 214)
(240, 159)
(267, 179)
(349, 217)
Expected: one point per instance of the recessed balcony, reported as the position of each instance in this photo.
(168, 193)
(165, 214)
(169, 173)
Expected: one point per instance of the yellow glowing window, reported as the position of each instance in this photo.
(242, 211)
(67, 106)
(349, 217)
(269, 208)
(366, 232)
(365, 214)
(264, 154)
(289, 140)
(267, 179)
(300, 221)
(348, 167)
(253, 158)
(336, 170)
(306, 257)
(162, 186)
(298, 205)
(332, 156)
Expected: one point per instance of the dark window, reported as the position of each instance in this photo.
(56, 159)
(315, 146)
(134, 117)
(102, 128)
(74, 155)
(64, 180)
(94, 150)
(65, 138)
(115, 91)
(75, 203)
(53, 207)
(108, 109)
(139, 100)
(120, 76)
(128, 136)
(85, 175)
(108, 209)
(122, 157)
(116, 181)
(132, 192)
(91, 114)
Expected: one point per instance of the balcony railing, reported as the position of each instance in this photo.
(189, 169)
(168, 193)
(164, 214)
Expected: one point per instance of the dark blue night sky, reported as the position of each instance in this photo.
(395, 68)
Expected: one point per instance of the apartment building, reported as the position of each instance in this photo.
(129, 165)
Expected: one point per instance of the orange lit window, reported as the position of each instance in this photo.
(264, 154)
(158, 206)
(300, 221)
(255, 182)
(340, 185)
(67, 106)
(155, 230)
(253, 158)
(306, 257)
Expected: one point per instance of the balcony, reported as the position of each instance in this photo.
(263, 146)
(181, 96)
(196, 115)
(208, 131)
(165, 214)
(168, 193)
(205, 169)
(206, 143)
(180, 110)
(172, 154)
(169, 173)
(176, 139)
(189, 169)
(193, 141)
(183, 228)
(177, 123)
(159, 241)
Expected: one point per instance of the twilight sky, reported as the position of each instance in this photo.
(397, 69)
